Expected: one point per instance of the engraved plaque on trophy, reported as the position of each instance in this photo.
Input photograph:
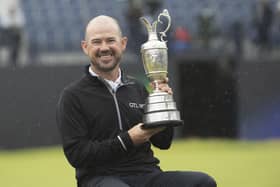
(160, 108)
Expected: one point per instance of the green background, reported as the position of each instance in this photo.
(231, 163)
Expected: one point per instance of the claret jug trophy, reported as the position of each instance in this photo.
(160, 109)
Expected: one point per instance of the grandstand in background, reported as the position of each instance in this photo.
(57, 26)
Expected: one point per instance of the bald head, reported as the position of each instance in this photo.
(102, 21)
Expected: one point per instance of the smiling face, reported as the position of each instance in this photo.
(104, 44)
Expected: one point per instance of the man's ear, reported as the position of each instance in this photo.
(84, 46)
(124, 43)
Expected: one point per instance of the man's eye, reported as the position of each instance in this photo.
(111, 40)
(95, 41)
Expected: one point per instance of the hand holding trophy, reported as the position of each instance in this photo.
(160, 109)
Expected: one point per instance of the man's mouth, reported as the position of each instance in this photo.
(105, 55)
(105, 58)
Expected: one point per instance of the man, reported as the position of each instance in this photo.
(11, 28)
(100, 116)
(263, 20)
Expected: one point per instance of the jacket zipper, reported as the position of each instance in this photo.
(117, 108)
(113, 93)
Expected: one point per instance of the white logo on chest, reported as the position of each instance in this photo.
(136, 105)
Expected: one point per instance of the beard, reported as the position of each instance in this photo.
(106, 61)
(99, 66)
(103, 66)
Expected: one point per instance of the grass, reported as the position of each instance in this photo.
(231, 163)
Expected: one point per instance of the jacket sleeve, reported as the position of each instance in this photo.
(78, 148)
(163, 139)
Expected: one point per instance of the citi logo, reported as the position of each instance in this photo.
(136, 105)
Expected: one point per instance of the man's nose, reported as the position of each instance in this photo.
(104, 46)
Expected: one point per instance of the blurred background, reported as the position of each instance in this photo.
(224, 68)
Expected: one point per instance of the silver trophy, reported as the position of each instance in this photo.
(160, 108)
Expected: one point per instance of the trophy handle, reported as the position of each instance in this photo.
(163, 33)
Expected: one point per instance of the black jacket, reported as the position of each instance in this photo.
(93, 122)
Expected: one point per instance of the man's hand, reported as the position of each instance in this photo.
(140, 135)
(162, 86)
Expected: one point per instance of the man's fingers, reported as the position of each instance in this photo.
(165, 88)
(162, 85)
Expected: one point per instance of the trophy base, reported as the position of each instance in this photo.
(160, 111)
(167, 123)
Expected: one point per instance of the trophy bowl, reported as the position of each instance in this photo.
(160, 109)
